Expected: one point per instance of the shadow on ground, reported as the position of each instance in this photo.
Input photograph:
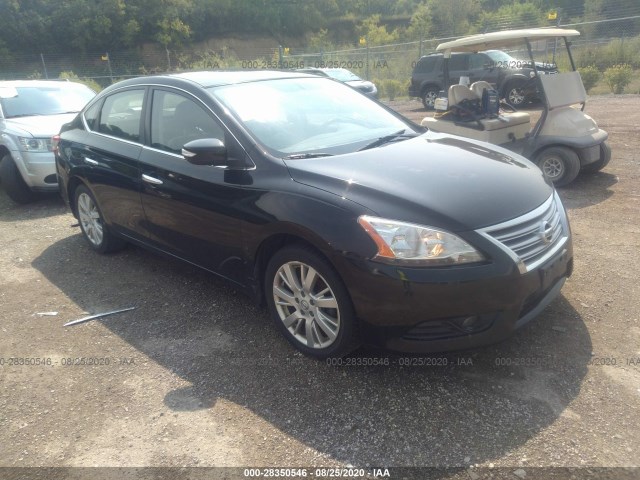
(45, 205)
(481, 404)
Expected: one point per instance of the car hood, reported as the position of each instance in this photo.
(39, 125)
(434, 179)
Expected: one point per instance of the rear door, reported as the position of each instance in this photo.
(105, 155)
(458, 66)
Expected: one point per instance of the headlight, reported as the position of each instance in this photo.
(35, 144)
(417, 245)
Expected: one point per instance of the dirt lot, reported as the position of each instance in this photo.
(196, 375)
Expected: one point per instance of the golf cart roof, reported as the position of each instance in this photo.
(505, 38)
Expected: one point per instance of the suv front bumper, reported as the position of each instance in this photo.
(38, 169)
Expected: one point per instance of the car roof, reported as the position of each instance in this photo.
(217, 78)
(505, 38)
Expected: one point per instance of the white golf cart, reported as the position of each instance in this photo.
(561, 142)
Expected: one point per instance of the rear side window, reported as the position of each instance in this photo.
(120, 115)
(478, 61)
(458, 62)
(427, 64)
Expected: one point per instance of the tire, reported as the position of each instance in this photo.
(297, 308)
(13, 183)
(514, 93)
(429, 96)
(560, 165)
(605, 158)
(91, 221)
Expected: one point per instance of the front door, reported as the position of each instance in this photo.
(192, 211)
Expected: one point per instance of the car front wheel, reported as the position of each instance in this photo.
(309, 303)
(92, 223)
(13, 183)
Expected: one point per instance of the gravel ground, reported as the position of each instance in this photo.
(196, 375)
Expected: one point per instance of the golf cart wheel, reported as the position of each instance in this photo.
(309, 303)
(514, 93)
(560, 165)
(605, 158)
(13, 183)
(429, 97)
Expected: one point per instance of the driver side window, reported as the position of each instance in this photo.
(176, 120)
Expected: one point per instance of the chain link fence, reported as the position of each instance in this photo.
(602, 43)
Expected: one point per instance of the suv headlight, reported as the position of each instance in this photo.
(35, 144)
(417, 245)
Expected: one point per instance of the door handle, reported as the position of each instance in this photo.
(152, 180)
(91, 161)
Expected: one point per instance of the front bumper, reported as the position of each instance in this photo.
(38, 169)
(444, 309)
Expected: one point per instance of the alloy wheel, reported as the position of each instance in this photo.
(90, 220)
(306, 305)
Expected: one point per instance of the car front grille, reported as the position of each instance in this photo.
(534, 237)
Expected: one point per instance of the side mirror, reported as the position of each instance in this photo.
(205, 151)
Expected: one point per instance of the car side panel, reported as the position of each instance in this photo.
(109, 167)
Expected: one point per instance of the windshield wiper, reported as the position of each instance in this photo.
(299, 156)
(388, 138)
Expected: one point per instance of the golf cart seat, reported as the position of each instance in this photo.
(458, 93)
(478, 87)
(508, 127)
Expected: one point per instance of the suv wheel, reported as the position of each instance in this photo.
(514, 93)
(13, 183)
(429, 97)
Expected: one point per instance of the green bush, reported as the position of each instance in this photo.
(392, 88)
(590, 76)
(618, 77)
(89, 82)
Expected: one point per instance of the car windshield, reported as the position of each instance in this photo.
(308, 115)
(342, 74)
(46, 100)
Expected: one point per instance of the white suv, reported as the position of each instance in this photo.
(31, 112)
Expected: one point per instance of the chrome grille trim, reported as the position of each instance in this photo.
(523, 238)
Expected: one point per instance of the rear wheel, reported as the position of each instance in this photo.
(605, 158)
(429, 96)
(13, 183)
(309, 303)
(92, 223)
(561, 165)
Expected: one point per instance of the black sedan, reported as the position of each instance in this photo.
(350, 222)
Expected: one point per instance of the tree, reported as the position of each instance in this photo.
(452, 18)
(515, 15)
(420, 24)
(374, 33)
